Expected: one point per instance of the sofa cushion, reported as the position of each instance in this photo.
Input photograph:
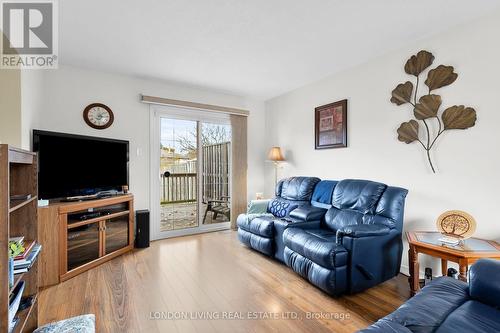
(325, 234)
(281, 208)
(336, 219)
(308, 213)
(472, 317)
(357, 195)
(262, 226)
(298, 188)
(279, 228)
(425, 311)
(322, 250)
(391, 203)
(322, 194)
(484, 277)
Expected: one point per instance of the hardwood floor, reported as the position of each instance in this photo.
(213, 275)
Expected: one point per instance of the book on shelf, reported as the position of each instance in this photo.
(18, 239)
(20, 197)
(11, 272)
(20, 270)
(27, 248)
(26, 263)
(16, 246)
(13, 324)
(14, 302)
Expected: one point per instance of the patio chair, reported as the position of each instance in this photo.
(218, 206)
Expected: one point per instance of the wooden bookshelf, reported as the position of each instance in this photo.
(26, 316)
(18, 176)
(16, 204)
(17, 278)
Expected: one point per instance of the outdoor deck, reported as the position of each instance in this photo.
(176, 216)
(181, 186)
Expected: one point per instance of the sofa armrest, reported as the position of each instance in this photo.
(429, 308)
(375, 254)
(308, 213)
(295, 223)
(484, 277)
(362, 230)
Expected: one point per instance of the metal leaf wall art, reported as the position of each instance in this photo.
(426, 108)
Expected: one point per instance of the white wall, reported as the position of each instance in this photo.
(67, 90)
(10, 106)
(468, 162)
(20, 97)
(31, 99)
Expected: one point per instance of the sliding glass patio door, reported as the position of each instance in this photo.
(191, 176)
(178, 174)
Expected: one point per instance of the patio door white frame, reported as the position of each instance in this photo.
(174, 112)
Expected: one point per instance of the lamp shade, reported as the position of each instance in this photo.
(275, 154)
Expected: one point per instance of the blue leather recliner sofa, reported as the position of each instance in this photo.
(343, 236)
(449, 306)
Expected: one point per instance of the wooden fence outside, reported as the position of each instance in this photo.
(179, 187)
(215, 170)
(182, 187)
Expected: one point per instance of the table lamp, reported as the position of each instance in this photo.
(276, 157)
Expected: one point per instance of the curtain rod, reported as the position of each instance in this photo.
(193, 105)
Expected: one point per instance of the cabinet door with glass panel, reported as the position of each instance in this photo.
(96, 233)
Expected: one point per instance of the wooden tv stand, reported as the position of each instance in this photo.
(77, 236)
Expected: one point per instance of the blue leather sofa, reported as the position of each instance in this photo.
(449, 306)
(343, 236)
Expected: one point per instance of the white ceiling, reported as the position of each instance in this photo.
(256, 48)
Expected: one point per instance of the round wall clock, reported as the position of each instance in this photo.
(456, 223)
(98, 116)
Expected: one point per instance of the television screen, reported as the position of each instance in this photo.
(73, 165)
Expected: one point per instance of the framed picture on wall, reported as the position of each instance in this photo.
(330, 125)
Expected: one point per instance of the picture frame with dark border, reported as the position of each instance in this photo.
(330, 125)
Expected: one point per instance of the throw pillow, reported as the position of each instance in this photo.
(258, 206)
(281, 208)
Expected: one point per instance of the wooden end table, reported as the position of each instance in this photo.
(464, 254)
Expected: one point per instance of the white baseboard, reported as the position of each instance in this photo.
(194, 231)
(406, 271)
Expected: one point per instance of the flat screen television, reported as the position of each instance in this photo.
(76, 165)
